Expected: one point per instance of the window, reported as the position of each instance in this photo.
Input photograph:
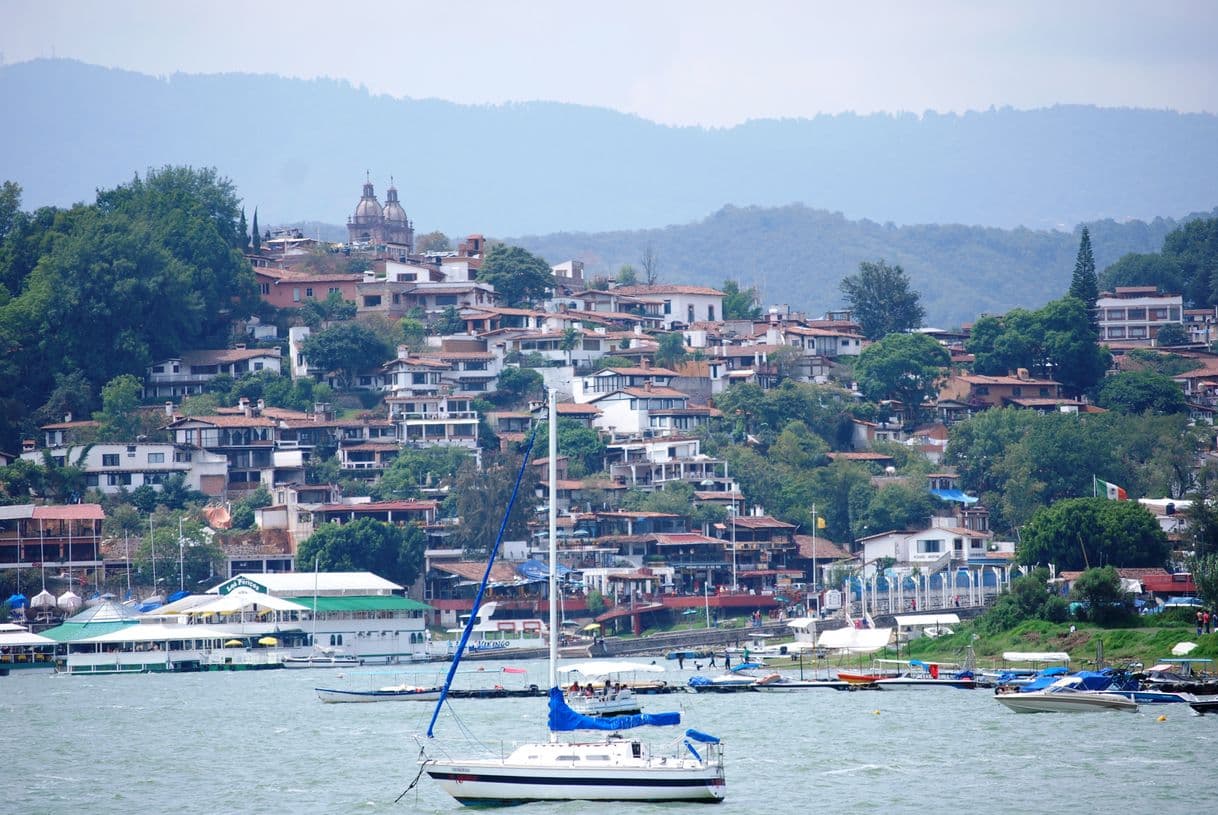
(308, 291)
(372, 300)
(1135, 314)
(118, 479)
(264, 288)
(156, 458)
(257, 366)
(1044, 391)
(1116, 314)
(91, 480)
(668, 307)
(334, 290)
(446, 299)
(710, 313)
(1158, 314)
(158, 369)
(1116, 333)
(1137, 332)
(982, 390)
(295, 295)
(1017, 391)
(689, 313)
(182, 456)
(929, 546)
(110, 459)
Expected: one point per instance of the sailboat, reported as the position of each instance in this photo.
(321, 657)
(614, 767)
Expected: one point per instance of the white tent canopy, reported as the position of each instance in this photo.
(1035, 656)
(910, 620)
(610, 667)
(161, 632)
(43, 599)
(240, 599)
(12, 635)
(855, 640)
(802, 623)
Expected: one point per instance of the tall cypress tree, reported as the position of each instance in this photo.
(258, 237)
(243, 240)
(1085, 284)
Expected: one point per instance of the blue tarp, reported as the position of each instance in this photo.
(536, 570)
(17, 600)
(563, 718)
(954, 495)
(698, 735)
(177, 595)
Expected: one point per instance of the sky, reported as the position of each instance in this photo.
(711, 63)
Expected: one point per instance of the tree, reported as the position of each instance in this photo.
(881, 300)
(243, 239)
(345, 349)
(449, 322)
(243, 509)
(626, 276)
(393, 552)
(413, 332)
(333, 309)
(650, 261)
(1100, 593)
(432, 242)
(671, 350)
(517, 385)
(582, 445)
(905, 367)
(257, 236)
(1080, 533)
(1171, 335)
(1027, 599)
(1053, 342)
(481, 498)
(119, 416)
(519, 277)
(1204, 570)
(799, 448)
(1084, 285)
(740, 304)
(1161, 271)
(899, 506)
(1141, 392)
(417, 469)
(571, 339)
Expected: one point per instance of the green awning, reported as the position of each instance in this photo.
(387, 602)
(73, 632)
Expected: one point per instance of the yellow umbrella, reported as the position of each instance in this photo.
(233, 644)
(592, 626)
(268, 641)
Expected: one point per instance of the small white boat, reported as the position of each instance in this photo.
(323, 658)
(392, 693)
(613, 698)
(1062, 697)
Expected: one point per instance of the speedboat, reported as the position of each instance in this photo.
(323, 658)
(1063, 696)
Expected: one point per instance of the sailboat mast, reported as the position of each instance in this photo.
(552, 469)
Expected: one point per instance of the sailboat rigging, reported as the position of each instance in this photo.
(613, 768)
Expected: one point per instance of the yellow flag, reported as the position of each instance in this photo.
(820, 523)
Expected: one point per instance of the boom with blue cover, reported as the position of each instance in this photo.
(563, 718)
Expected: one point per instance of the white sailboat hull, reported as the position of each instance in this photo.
(487, 782)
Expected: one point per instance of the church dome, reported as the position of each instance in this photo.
(393, 209)
(368, 207)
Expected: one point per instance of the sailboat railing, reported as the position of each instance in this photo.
(486, 576)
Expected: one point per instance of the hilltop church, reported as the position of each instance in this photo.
(375, 224)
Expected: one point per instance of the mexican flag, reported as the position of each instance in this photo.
(1112, 492)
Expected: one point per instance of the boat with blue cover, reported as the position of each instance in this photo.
(608, 767)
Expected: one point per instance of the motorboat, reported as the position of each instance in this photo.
(1063, 696)
(323, 658)
(613, 697)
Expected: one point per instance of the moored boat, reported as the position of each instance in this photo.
(391, 693)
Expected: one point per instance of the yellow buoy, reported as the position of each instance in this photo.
(876, 712)
(1162, 718)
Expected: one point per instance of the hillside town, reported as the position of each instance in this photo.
(666, 397)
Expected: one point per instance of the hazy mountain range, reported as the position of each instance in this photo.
(594, 184)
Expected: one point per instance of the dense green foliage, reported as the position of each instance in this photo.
(880, 297)
(345, 349)
(416, 469)
(1053, 342)
(393, 552)
(1185, 265)
(1141, 392)
(1080, 533)
(1029, 598)
(904, 367)
(152, 268)
(1018, 461)
(480, 498)
(1099, 593)
(740, 304)
(519, 278)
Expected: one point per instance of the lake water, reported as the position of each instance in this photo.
(262, 742)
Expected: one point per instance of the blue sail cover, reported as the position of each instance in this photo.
(534, 570)
(563, 718)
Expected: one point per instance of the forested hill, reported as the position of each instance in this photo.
(797, 256)
(299, 149)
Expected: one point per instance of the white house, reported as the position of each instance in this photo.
(680, 304)
(111, 467)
